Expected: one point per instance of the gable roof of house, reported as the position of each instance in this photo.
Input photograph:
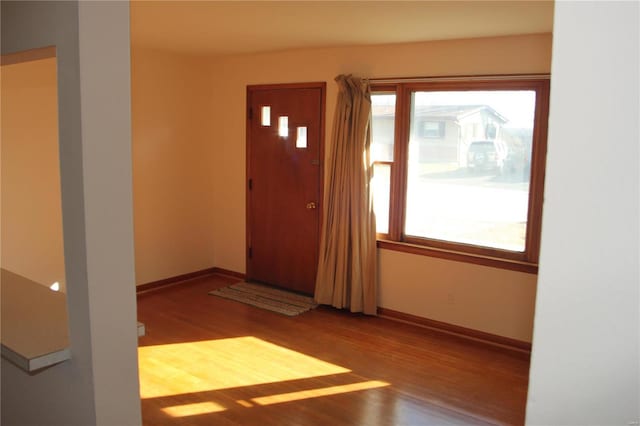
(441, 112)
(456, 112)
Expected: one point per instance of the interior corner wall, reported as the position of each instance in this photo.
(99, 384)
(173, 164)
(65, 392)
(31, 213)
(487, 299)
(585, 359)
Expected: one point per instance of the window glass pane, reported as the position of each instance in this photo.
(383, 110)
(283, 126)
(469, 167)
(265, 118)
(301, 137)
(381, 184)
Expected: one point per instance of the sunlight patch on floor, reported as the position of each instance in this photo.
(193, 409)
(320, 392)
(173, 369)
(208, 407)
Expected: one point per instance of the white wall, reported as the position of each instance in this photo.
(99, 385)
(585, 360)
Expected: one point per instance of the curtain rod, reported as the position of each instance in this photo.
(459, 78)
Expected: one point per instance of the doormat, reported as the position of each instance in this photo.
(265, 297)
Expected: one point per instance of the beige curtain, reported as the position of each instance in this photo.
(347, 262)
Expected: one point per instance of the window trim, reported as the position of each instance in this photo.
(395, 239)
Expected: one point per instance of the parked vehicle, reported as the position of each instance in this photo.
(484, 155)
(517, 163)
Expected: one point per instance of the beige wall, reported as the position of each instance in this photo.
(31, 213)
(492, 300)
(486, 299)
(173, 165)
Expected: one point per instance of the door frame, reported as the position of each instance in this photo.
(322, 85)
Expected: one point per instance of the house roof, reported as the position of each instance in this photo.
(441, 112)
(455, 112)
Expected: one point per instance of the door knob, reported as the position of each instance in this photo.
(311, 205)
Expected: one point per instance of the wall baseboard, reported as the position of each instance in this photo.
(173, 280)
(468, 333)
(154, 285)
(227, 272)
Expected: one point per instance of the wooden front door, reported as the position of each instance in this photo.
(285, 129)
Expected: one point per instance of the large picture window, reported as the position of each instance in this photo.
(459, 168)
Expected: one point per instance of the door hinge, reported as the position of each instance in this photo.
(250, 113)
(250, 184)
(250, 253)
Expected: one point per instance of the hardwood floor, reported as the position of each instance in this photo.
(211, 361)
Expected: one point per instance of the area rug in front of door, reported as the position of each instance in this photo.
(265, 297)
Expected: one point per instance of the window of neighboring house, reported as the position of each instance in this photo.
(433, 129)
(476, 195)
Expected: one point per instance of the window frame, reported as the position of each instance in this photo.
(395, 239)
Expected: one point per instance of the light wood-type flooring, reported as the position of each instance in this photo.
(211, 361)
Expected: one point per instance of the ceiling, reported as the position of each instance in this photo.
(235, 27)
